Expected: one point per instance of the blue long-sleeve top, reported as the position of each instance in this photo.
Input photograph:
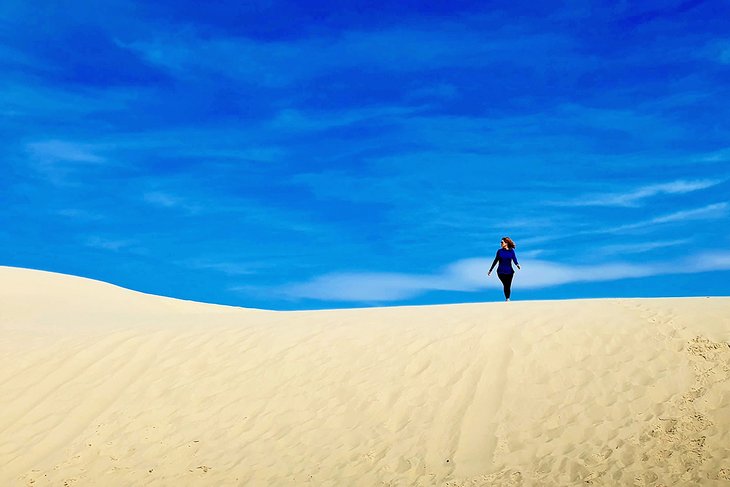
(505, 258)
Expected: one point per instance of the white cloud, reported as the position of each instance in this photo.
(229, 268)
(712, 261)
(361, 287)
(77, 214)
(439, 91)
(161, 199)
(634, 197)
(638, 248)
(59, 161)
(719, 50)
(28, 103)
(167, 200)
(470, 275)
(107, 244)
(709, 212)
(529, 254)
(716, 210)
(278, 63)
(713, 211)
(717, 156)
(297, 121)
(59, 150)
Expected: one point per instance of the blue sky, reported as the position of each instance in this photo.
(304, 155)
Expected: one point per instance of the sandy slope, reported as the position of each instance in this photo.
(104, 386)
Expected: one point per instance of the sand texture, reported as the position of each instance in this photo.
(102, 386)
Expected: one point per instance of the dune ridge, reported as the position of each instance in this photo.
(100, 385)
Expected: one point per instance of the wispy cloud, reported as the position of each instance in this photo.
(278, 63)
(167, 200)
(227, 268)
(59, 160)
(470, 275)
(296, 121)
(718, 50)
(437, 91)
(78, 214)
(367, 287)
(50, 151)
(716, 156)
(713, 211)
(33, 104)
(638, 248)
(634, 197)
(113, 245)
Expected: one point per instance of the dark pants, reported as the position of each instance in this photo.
(507, 283)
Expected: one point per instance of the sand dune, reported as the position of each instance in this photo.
(104, 386)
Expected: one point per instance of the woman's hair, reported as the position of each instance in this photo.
(509, 242)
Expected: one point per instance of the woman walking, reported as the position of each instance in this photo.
(505, 272)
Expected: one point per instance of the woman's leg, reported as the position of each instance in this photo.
(507, 283)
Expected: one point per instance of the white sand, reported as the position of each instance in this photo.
(101, 386)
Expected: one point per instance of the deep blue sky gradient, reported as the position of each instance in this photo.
(296, 155)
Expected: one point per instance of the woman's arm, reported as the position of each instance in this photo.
(514, 258)
(496, 259)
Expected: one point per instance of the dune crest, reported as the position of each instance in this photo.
(104, 386)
